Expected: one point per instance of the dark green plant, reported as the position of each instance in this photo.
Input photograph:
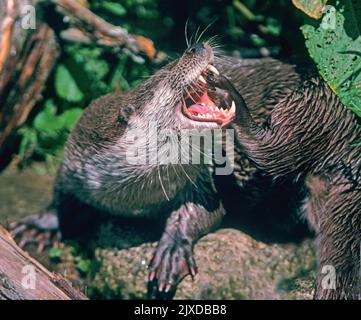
(334, 43)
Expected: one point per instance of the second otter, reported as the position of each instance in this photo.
(313, 138)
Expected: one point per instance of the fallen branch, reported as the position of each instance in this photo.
(16, 270)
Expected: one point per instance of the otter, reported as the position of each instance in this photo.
(97, 176)
(312, 137)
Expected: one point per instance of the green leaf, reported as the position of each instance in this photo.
(115, 8)
(273, 26)
(312, 8)
(335, 46)
(83, 265)
(70, 117)
(96, 68)
(46, 120)
(55, 253)
(65, 85)
(29, 140)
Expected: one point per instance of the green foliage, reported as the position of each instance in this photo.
(83, 265)
(72, 251)
(114, 8)
(48, 132)
(48, 122)
(335, 45)
(65, 85)
(56, 253)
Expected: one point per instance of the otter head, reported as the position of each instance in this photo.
(182, 95)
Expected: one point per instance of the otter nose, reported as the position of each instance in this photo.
(196, 48)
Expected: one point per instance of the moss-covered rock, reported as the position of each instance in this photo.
(231, 266)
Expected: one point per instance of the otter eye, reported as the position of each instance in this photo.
(196, 48)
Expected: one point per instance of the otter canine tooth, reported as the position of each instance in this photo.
(213, 69)
(233, 108)
(201, 79)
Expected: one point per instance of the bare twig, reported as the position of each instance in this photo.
(6, 29)
(88, 27)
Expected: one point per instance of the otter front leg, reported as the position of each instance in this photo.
(173, 257)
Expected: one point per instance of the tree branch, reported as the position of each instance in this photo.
(47, 285)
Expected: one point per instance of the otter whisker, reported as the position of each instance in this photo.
(190, 96)
(186, 33)
(202, 153)
(189, 178)
(161, 183)
(195, 36)
(205, 29)
(195, 87)
(213, 41)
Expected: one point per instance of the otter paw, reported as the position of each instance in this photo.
(36, 230)
(171, 262)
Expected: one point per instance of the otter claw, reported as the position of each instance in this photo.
(172, 261)
(32, 230)
(168, 287)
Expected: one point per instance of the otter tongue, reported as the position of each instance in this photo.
(203, 105)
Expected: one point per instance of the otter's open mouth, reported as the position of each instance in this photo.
(207, 103)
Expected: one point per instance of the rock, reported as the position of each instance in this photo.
(231, 266)
(23, 193)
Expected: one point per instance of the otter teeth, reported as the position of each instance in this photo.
(221, 110)
(233, 107)
(213, 69)
(224, 111)
(201, 79)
